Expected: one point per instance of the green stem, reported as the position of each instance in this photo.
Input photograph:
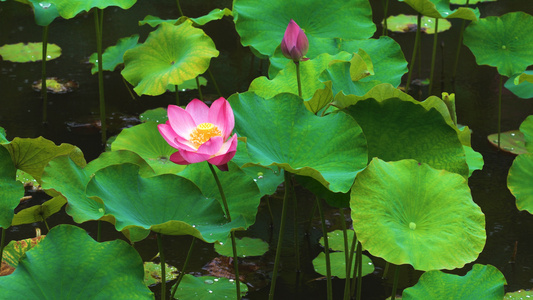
(298, 79)
(385, 12)
(415, 48)
(177, 96)
(326, 249)
(287, 176)
(99, 25)
(162, 259)
(99, 231)
(500, 110)
(346, 255)
(459, 44)
(433, 56)
(128, 88)
(182, 273)
(233, 242)
(359, 258)
(214, 82)
(46, 225)
(386, 271)
(310, 223)
(395, 282)
(354, 276)
(179, 8)
(44, 92)
(2, 241)
(199, 89)
(295, 220)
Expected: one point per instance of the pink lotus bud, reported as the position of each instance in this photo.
(294, 44)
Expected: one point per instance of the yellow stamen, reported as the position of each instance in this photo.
(202, 133)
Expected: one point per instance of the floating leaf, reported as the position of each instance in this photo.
(152, 273)
(70, 8)
(471, 2)
(522, 88)
(282, 132)
(12, 190)
(169, 56)
(158, 115)
(113, 55)
(407, 23)
(482, 282)
(409, 213)
(519, 181)
(519, 295)
(245, 247)
(338, 264)
(441, 9)
(69, 264)
(336, 240)
(15, 250)
(510, 141)
(503, 42)
(29, 52)
(208, 287)
(55, 85)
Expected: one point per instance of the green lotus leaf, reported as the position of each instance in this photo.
(45, 11)
(503, 42)
(29, 52)
(154, 21)
(145, 140)
(324, 23)
(482, 282)
(39, 213)
(336, 240)
(471, 2)
(208, 287)
(285, 80)
(12, 190)
(320, 99)
(152, 273)
(526, 76)
(473, 159)
(245, 247)
(3, 139)
(242, 194)
(167, 203)
(519, 295)
(157, 115)
(338, 264)
(113, 55)
(213, 15)
(26, 178)
(282, 132)
(397, 129)
(441, 9)
(338, 200)
(407, 23)
(169, 56)
(409, 213)
(527, 129)
(510, 141)
(69, 264)
(524, 88)
(188, 84)
(70, 8)
(69, 178)
(15, 250)
(519, 181)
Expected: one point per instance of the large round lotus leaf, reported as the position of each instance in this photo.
(524, 89)
(167, 203)
(113, 55)
(282, 132)
(158, 115)
(338, 264)
(169, 56)
(482, 282)
(32, 155)
(519, 181)
(511, 141)
(503, 42)
(69, 178)
(45, 11)
(242, 194)
(70, 8)
(519, 295)
(285, 80)
(12, 190)
(441, 9)
(28, 52)
(262, 25)
(208, 288)
(409, 213)
(527, 129)
(408, 23)
(145, 140)
(15, 250)
(245, 247)
(69, 264)
(397, 129)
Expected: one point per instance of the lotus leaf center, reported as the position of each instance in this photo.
(412, 225)
(202, 133)
(504, 47)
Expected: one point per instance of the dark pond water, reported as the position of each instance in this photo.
(476, 93)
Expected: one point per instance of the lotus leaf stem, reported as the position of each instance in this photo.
(99, 25)
(385, 12)
(460, 42)
(500, 111)
(44, 92)
(386, 271)
(310, 222)
(214, 82)
(232, 233)
(415, 48)
(288, 183)
(346, 254)
(179, 8)
(177, 96)
(162, 259)
(326, 248)
(2, 241)
(46, 224)
(128, 88)
(199, 89)
(182, 273)
(298, 79)
(352, 252)
(359, 259)
(295, 220)
(433, 56)
(395, 282)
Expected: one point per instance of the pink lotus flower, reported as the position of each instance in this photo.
(201, 133)
(294, 44)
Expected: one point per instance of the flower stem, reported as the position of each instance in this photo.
(433, 56)
(326, 249)
(415, 48)
(287, 176)
(162, 259)
(298, 78)
(233, 242)
(99, 26)
(44, 92)
(199, 89)
(182, 273)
